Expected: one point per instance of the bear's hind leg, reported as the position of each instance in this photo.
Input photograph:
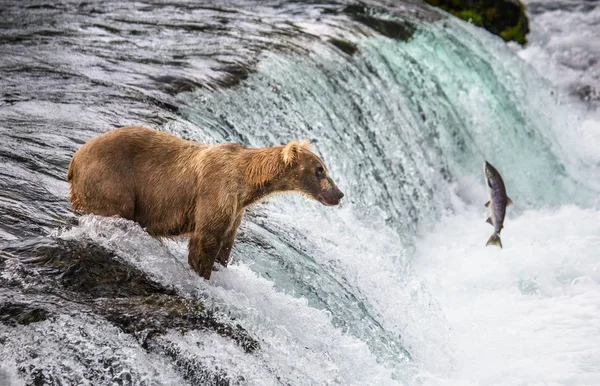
(108, 196)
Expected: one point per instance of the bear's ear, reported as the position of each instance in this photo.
(290, 153)
(305, 143)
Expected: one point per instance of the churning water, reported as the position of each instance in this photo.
(394, 286)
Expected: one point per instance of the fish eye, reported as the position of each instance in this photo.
(320, 172)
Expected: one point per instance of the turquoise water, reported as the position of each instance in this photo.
(405, 128)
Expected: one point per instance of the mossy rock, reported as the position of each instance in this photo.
(505, 18)
(469, 15)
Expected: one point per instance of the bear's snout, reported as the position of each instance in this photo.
(332, 196)
(332, 199)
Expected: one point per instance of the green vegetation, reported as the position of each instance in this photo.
(469, 15)
(505, 18)
(518, 32)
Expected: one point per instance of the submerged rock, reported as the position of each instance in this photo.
(376, 20)
(585, 92)
(344, 45)
(505, 18)
(13, 313)
(75, 277)
(148, 316)
(92, 271)
(96, 278)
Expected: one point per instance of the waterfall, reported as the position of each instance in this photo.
(394, 286)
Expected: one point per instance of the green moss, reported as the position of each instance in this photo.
(505, 18)
(469, 15)
(518, 32)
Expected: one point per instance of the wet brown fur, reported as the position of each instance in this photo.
(174, 187)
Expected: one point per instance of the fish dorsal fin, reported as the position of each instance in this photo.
(489, 220)
(509, 202)
(487, 204)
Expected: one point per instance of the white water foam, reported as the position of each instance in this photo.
(80, 345)
(525, 314)
(563, 42)
(9, 374)
(298, 342)
(564, 48)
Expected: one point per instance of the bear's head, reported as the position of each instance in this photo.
(305, 173)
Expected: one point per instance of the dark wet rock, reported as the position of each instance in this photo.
(174, 85)
(230, 76)
(378, 21)
(146, 317)
(189, 370)
(12, 314)
(345, 45)
(586, 92)
(505, 18)
(83, 276)
(41, 6)
(234, 74)
(247, 237)
(79, 277)
(86, 268)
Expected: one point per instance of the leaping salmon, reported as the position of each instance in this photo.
(497, 203)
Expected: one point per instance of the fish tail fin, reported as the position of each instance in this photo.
(494, 240)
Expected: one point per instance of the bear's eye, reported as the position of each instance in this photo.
(320, 173)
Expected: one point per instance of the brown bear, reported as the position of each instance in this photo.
(173, 187)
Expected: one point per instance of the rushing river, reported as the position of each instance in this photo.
(394, 286)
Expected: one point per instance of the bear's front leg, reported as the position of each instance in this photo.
(211, 230)
(223, 257)
(202, 252)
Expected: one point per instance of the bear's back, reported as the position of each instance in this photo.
(140, 174)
